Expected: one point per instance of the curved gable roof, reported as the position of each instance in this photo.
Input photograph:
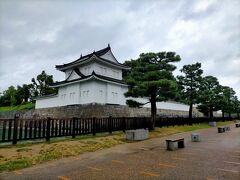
(101, 55)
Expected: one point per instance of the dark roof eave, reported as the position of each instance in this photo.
(87, 57)
(89, 77)
(98, 53)
(63, 67)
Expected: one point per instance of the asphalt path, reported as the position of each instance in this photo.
(216, 156)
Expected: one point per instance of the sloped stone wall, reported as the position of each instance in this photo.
(93, 110)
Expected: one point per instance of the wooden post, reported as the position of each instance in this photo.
(74, 127)
(123, 124)
(4, 130)
(110, 124)
(94, 126)
(159, 122)
(48, 129)
(135, 123)
(15, 129)
(145, 124)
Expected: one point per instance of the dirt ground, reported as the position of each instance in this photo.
(216, 156)
(65, 147)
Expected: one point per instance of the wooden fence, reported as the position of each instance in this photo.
(13, 130)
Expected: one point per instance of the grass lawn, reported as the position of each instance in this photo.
(19, 107)
(27, 154)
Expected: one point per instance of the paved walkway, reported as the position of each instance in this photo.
(217, 156)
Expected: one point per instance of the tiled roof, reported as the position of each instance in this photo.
(88, 56)
(88, 77)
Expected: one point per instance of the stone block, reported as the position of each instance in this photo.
(136, 135)
(213, 123)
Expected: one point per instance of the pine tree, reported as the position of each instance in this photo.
(190, 84)
(151, 77)
(209, 94)
(41, 86)
(225, 101)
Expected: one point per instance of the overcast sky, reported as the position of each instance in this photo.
(37, 35)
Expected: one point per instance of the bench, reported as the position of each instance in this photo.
(175, 144)
(221, 129)
(237, 125)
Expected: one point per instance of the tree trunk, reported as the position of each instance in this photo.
(211, 113)
(238, 115)
(153, 112)
(223, 114)
(229, 115)
(190, 111)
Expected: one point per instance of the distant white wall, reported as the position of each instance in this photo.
(172, 106)
(164, 105)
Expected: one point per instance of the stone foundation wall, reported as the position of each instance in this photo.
(94, 110)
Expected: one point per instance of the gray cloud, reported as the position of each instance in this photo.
(37, 35)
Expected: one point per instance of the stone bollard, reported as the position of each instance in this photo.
(221, 129)
(227, 128)
(195, 137)
(213, 123)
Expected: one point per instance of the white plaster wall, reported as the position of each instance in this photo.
(67, 73)
(164, 105)
(72, 94)
(107, 71)
(87, 69)
(173, 106)
(109, 56)
(86, 92)
(100, 92)
(74, 75)
(123, 99)
(47, 102)
(115, 94)
(68, 94)
(98, 68)
(62, 93)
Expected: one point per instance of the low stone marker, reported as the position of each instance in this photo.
(227, 128)
(195, 137)
(213, 123)
(221, 129)
(136, 135)
(175, 144)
